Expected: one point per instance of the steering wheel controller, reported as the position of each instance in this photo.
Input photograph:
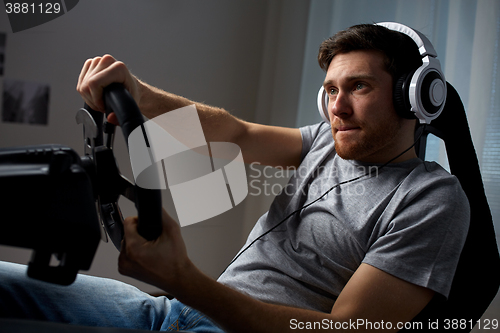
(53, 198)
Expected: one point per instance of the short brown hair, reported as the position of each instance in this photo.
(401, 52)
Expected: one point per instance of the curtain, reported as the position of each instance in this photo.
(465, 34)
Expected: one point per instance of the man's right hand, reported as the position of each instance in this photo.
(98, 73)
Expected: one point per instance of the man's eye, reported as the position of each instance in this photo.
(360, 86)
(332, 91)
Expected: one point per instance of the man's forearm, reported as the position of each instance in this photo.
(217, 124)
(372, 298)
(237, 312)
(268, 145)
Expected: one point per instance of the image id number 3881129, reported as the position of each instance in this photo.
(482, 324)
(32, 8)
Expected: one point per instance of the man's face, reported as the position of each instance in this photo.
(365, 125)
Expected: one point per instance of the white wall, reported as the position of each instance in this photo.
(222, 52)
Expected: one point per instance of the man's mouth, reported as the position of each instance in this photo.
(346, 128)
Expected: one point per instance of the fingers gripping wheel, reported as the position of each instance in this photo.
(107, 181)
(420, 94)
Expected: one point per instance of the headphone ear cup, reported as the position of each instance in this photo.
(401, 97)
(433, 93)
(322, 101)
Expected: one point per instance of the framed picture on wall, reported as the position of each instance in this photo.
(25, 102)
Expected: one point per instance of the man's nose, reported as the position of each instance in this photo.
(340, 105)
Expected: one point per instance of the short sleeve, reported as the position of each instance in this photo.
(424, 238)
(310, 135)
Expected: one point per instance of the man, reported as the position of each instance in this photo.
(368, 254)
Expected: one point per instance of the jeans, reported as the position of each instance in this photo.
(92, 301)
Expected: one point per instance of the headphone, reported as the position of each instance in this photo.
(419, 94)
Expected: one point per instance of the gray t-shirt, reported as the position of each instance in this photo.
(408, 219)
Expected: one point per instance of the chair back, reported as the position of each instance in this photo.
(477, 277)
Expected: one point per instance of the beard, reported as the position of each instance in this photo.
(368, 141)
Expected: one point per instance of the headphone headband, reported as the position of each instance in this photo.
(421, 94)
(424, 44)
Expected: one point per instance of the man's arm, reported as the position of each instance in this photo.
(371, 295)
(268, 145)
